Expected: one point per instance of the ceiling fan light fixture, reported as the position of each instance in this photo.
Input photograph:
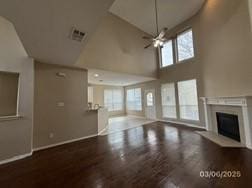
(159, 39)
(156, 43)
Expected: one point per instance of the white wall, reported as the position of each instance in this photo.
(55, 123)
(16, 135)
(117, 46)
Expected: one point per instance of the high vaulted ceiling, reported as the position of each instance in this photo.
(44, 26)
(141, 13)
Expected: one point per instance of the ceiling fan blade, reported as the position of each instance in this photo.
(147, 38)
(162, 33)
(147, 46)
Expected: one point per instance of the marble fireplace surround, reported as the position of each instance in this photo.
(241, 106)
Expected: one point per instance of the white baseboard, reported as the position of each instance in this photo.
(15, 158)
(182, 123)
(62, 143)
(249, 147)
(42, 148)
(102, 130)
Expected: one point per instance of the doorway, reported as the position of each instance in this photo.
(150, 104)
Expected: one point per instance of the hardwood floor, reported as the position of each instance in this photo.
(154, 155)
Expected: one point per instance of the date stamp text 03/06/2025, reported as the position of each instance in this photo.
(220, 174)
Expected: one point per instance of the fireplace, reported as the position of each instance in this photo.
(241, 125)
(228, 125)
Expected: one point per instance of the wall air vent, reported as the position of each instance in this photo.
(77, 35)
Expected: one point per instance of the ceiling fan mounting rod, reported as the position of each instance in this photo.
(156, 15)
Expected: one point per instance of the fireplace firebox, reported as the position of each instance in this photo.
(228, 125)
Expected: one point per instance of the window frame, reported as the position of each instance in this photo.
(175, 51)
(175, 96)
(176, 45)
(173, 54)
(178, 116)
(197, 97)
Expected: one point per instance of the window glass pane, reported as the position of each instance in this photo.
(90, 94)
(113, 100)
(134, 99)
(149, 98)
(185, 45)
(130, 99)
(168, 100)
(117, 100)
(167, 54)
(188, 100)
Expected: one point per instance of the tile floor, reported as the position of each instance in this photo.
(220, 140)
(125, 122)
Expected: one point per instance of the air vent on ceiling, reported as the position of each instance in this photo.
(77, 35)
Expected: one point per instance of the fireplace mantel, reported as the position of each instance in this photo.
(230, 101)
(245, 102)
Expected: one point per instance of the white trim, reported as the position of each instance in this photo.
(18, 93)
(134, 116)
(244, 102)
(102, 130)
(65, 142)
(182, 123)
(16, 158)
(10, 118)
(42, 148)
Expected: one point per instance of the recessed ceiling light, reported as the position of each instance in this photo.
(96, 75)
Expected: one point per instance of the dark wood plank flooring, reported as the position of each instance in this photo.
(154, 155)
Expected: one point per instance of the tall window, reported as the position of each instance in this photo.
(168, 100)
(185, 49)
(113, 99)
(167, 54)
(188, 100)
(134, 99)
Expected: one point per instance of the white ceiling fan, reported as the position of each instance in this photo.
(159, 39)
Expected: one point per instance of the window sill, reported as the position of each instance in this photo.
(134, 110)
(10, 118)
(170, 118)
(181, 120)
(167, 66)
(189, 120)
(190, 60)
(185, 60)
